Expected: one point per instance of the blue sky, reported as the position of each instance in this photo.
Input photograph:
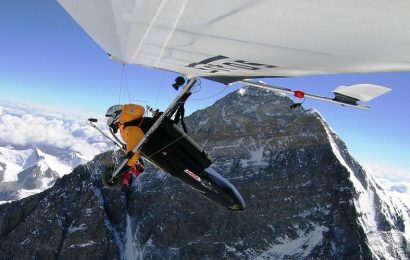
(47, 59)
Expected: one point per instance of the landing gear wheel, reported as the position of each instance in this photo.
(110, 183)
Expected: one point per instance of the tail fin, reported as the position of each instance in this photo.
(359, 92)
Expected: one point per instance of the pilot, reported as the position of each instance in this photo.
(128, 119)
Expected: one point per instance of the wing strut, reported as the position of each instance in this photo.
(344, 95)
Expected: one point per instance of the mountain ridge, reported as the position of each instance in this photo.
(24, 172)
(293, 172)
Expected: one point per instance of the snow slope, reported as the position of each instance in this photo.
(24, 172)
(385, 219)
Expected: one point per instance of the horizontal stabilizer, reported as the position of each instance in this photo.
(344, 95)
(362, 92)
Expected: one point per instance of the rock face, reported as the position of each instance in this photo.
(306, 199)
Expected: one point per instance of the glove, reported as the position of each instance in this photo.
(139, 167)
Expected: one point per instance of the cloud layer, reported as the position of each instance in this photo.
(396, 181)
(22, 125)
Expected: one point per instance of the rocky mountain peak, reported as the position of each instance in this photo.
(27, 171)
(307, 198)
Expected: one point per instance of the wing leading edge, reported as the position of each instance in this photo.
(246, 39)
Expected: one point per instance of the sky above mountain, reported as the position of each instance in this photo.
(48, 59)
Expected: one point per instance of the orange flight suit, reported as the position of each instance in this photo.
(131, 135)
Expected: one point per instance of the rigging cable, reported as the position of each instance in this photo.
(159, 92)
(166, 146)
(126, 83)
(198, 84)
(209, 97)
(123, 84)
(120, 87)
(124, 95)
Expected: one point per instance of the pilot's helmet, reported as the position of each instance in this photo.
(113, 116)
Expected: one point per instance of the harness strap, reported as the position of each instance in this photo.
(179, 116)
(180, 113)
(136, 122)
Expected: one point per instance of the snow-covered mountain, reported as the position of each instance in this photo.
(24, 172)
(384, 218)
(306, 197)
(57, 142)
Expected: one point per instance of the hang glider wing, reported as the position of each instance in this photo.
(245, 39)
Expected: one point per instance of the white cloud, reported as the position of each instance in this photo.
(396, 181)
(22, 125)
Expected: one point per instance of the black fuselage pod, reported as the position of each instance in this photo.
(226, 195)
(177, 154)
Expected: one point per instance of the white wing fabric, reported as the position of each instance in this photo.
(362, 92)
(243, 38)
